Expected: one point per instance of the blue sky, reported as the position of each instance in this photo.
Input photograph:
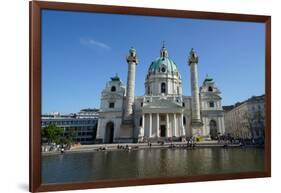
(81, 51)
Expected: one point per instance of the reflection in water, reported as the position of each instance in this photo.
(80, 167)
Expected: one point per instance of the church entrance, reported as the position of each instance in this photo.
(213, 130)
(109, 133)
(163, 131)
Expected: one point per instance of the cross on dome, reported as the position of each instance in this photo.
(163, 44)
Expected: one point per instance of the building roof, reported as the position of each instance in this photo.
(115, 78)
(163, 62)
(160, 62)
(228, 108)
(256, 98)
(208, 79)
(249, 100)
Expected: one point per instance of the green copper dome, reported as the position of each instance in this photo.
(208, 79)
(115, 78)
(163, 64)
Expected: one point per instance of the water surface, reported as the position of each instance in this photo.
(90, 166)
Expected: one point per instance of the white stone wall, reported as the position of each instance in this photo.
(205, 104)
(208, 112)
(103, 122)
(219, 124)
(236, 123)
(107, 114)
(173, 84)
(222, 126)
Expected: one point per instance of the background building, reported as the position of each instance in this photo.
(245, 119)
(163, 112)
(83, 122)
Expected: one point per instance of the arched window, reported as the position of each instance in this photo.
(184, 121)
(178, 90)
(183, 104)
(113, 89)
(140, 121)
(148, 90)
(163, 87)
(210, 89)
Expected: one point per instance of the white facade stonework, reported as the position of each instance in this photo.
(163, 113)
(246, 119)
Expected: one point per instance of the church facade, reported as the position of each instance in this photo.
(163, 113)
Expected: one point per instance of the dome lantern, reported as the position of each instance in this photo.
(163, 51)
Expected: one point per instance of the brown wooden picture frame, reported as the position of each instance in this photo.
(35, 93)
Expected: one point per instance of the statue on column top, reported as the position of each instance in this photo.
(193, 58)
(132, 57)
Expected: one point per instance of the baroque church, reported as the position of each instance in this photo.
(163, 113)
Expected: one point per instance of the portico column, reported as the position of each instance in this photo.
(182, 126)
(175, 124)
(167, 125)
(157, 124)
(143, 122)
(150, 124)
(179, 125)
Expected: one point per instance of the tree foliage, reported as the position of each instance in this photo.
(51, 134)
(70, 136)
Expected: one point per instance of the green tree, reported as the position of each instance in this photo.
(51, 133)
(70, 136)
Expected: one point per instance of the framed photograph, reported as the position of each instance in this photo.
(124, 96)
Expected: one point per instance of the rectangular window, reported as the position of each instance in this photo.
(211, 104)
(111, 105)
